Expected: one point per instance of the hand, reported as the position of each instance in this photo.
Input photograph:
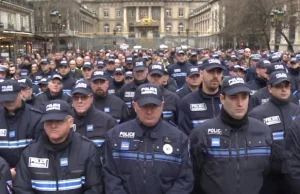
(13, 173)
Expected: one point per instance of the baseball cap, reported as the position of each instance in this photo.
(146, 57)
(101, 64)
(212, 63)
(193, 53)
(180, 52)
(64, 63)
(25, 82)
(56, 110)
(255, 57)
(111, 56)
(274, 58)
(263, 64)
(139, 65)
(275, 67)
(234, 84)
(111, 60)
(278, 77)
(294, 60)
(82, 87)
(9, 90)
(2, 68)
(44, 61)
(128, 74)
(129, 59)
(148, 94)
(237, 67)
(233, 57)
(98, 75)
(88, 65)
(43, 81)
(56, 76)
(193, 70)
(23, 73)
(157, 68)
(119, 70)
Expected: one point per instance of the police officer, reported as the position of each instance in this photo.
(105, 102)
(178, 70)
(43, 85)
(128, 64)
(171, 100)
(101, 65)
(237, 70)
(27, 92)
(119, 80)
(169, 82)
(44, 72)
(203, 104)
(68, 80)
(87, 120)
(193, 81)
(146, 154)
(262, 96)
(260, 80)
(20, 122)
(5, 178)
(110, 70)
(294, 71)
(87, 70)
(128, 77)
(3, 72)
(193, 58)
(278, 114)
(61, 160)
(54, 91)
(126, 93)
(231, 152)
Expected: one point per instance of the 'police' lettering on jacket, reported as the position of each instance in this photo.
(214, 131)
(198, 107)
(264, 100)
(129, 94)
(127, 135)
(272, 120)
(177, 70)
(3, 132)
(38, 162)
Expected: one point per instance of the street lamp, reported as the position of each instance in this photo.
(187, 31)
(276, 18)
(55, 18)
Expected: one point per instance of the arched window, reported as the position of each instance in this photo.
(119, 27)
(169, 27)
(180, 27)
(106, 28)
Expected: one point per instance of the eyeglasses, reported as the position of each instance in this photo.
(82, 97)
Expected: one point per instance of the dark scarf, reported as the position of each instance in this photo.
(234, 123)
(279, 102)
(58, 96)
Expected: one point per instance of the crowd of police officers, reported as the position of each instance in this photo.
(151, 121)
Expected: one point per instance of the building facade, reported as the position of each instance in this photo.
(145, 23)
(18, 34)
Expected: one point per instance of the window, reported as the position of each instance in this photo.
(119, 27)
(106, 15)
(169, 12)
(9, 18)
(131, 13)
(106, 28)
(180, 12)
(155, 13)
(169, 28)
(180, 27)
(118, 13)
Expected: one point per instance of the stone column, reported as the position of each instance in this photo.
(137, 12)
(162, 20)
(125, 25)
(149, 12)
(297, 35)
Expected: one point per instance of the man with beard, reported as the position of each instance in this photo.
(260, 80)
(128, 64)
(198, 106)
(44, 72)
(126, 93)
(105, 102)
(117, 82)
(193, 58)
(178, 70)
(54, 91)
(68, 81)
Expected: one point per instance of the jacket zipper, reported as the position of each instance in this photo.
(238, 162)
(145, 159)
(213, 106)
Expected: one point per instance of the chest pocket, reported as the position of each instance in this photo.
(257, 152)
(166, 159)
(217, 149)
(95, 134)
(127, 154)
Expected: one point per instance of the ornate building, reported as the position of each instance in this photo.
(134, 22)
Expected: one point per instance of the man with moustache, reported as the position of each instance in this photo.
(106, 102)
(198, 106)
